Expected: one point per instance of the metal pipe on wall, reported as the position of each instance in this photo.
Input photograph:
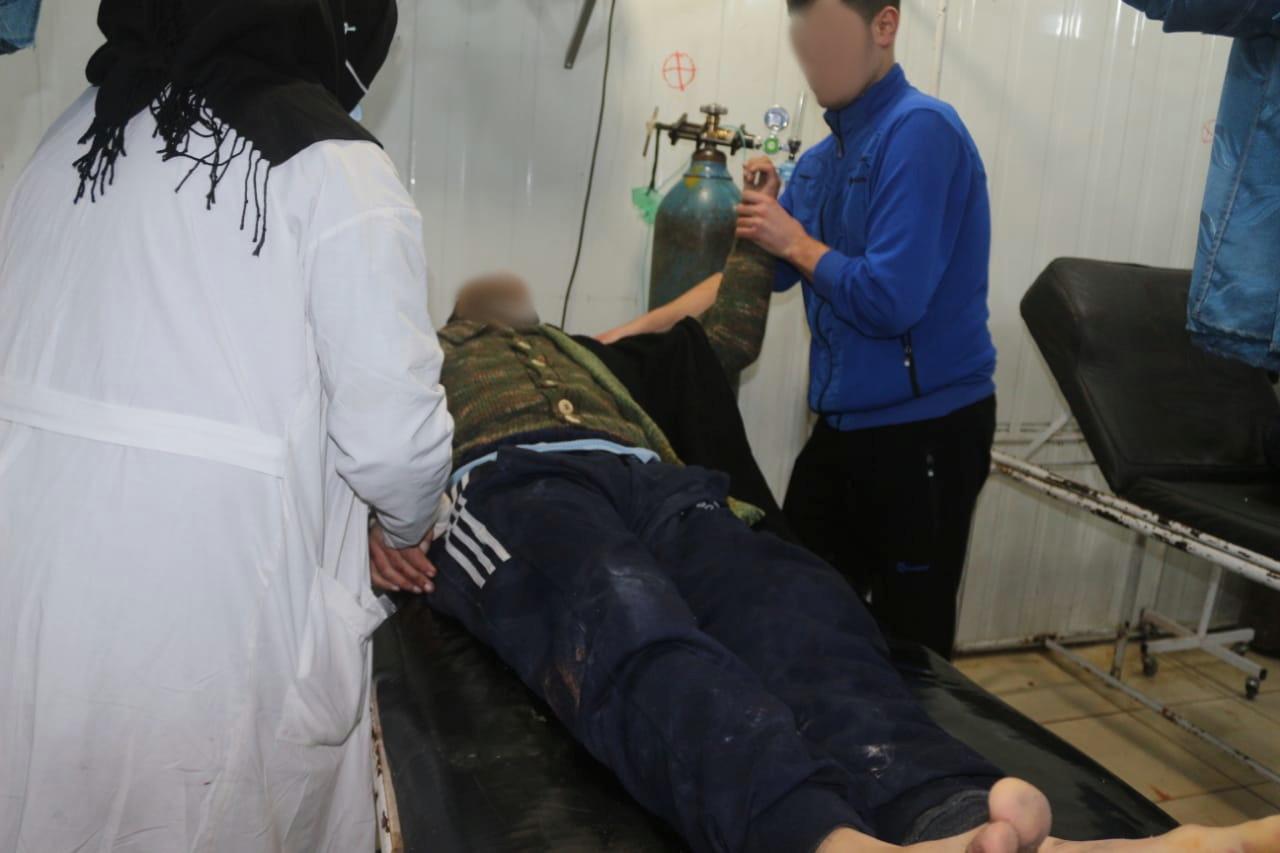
(939, 44)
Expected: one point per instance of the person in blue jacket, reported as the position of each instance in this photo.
(887, 223)
(1234, 306)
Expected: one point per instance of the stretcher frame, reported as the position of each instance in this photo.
(1140, 618)
(390, 834)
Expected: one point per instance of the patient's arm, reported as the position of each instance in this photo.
(732, 306)
(691, 304)
(735, 322)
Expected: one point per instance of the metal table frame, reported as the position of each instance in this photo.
(1140, 618)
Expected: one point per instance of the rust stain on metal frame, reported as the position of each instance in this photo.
(389, 831)
(1165, 711)
(1257, 567)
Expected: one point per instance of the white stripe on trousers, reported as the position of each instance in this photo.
(475, 549)
(462, 561)
(459, 515)
(482, 532)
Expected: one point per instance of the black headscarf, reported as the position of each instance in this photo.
(228, 77)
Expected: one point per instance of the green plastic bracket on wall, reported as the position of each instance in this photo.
(647, 201)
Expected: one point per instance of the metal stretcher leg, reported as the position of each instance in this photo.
(1129, 606)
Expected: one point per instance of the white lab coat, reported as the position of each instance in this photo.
(188, 438)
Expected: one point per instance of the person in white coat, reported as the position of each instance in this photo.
(214, 362)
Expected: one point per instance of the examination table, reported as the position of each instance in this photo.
(1174, 429)
(1180, 435)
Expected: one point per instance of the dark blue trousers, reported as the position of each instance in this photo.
(734, 683)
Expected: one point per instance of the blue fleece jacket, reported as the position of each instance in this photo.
(898, 308)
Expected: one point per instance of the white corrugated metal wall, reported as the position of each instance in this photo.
(1094, 126)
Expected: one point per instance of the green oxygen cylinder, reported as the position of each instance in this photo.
(693, 231)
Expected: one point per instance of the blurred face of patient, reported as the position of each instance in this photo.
(502, 299)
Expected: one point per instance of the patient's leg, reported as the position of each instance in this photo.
(543, 565)
(1019, 823)
(803, 630)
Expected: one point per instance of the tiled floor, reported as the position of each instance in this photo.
(1191, 780)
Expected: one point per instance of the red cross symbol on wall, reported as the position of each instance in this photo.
(679, 71)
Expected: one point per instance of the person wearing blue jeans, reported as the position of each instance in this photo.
(1234, 305)
(18, 24)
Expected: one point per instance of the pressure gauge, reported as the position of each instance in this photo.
(777, 119)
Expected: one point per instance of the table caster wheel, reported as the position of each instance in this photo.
(1150, 666)
(1241, 649)
(1251, 688)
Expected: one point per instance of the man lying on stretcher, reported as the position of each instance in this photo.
(734, 682)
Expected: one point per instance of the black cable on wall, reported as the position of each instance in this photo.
(595, 156)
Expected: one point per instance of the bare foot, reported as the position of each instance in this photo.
(1020, 819)
(1259, 836)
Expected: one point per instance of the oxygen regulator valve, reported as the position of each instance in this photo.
(777, 119)
(709, 135)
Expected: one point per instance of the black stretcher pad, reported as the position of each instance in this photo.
(1174, 429)
(479, 765)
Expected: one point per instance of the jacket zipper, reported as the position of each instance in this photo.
(910, 353)
(817, 315)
